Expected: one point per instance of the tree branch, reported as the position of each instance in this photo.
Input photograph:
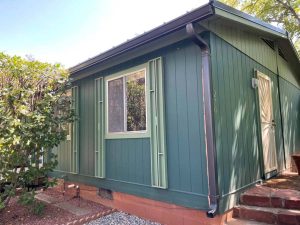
(290, 9)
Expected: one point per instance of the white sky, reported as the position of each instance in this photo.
(70, 32)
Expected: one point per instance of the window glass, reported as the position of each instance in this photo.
(116, 105)
(136, 105)
(127, 103)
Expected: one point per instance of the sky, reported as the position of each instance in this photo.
(72, 31)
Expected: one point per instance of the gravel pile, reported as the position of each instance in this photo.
(120, 218)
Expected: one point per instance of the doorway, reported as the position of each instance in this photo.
(267, 124)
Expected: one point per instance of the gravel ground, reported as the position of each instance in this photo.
(120, 218)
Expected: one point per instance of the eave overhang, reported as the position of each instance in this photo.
(152, 35)
(174, 28)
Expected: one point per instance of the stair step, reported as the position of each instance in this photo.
(269, 197)
(244, 222)
(268, 215)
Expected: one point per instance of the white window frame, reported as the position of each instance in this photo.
(127, 134)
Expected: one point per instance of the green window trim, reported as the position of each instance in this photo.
(99, 128)
(128, 134)
(75, 132)
(158, 138)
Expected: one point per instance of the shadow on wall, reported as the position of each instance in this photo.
(236, 121)
(291, 119)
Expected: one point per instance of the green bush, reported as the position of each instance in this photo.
(34, 111)
(28, 200)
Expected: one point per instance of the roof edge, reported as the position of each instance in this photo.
(283, 33)
(228, 9)
(194, 16)
(176, 24)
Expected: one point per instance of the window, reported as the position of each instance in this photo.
(126, 103)
(134, 108)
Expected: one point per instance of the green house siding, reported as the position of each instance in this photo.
(286, 72)
(247, 42)
(86, 127)
(63, 152)
(128, 160)
(236, 120)
(184, 120)
(290, 103)
(251, 44)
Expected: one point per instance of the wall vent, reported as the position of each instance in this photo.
(105, 193)
(269, 43)
(281, 54)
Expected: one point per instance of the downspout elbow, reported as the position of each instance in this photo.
(193, 35)
(213, 211)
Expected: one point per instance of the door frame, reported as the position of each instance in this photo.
(274, 172)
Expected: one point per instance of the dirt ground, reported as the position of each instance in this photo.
(16, 214)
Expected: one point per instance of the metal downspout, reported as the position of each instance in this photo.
(208, 120)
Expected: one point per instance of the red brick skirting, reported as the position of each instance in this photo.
(161, 212)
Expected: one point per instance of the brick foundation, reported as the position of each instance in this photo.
(164, 213)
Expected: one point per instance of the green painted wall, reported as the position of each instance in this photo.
(86, 127)
(288, 73)
(128, 161)
(251, 44)
(290, 103)
(245, 41)
(63, 152)
(236, 119)
(184, 119)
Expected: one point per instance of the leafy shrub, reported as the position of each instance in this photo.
(28, 200)
(34, 111)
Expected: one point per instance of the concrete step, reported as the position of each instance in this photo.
(269, 197)
(267, 215)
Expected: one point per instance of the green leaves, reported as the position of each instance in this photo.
(284, 13)
(34, 113)
(28, 200)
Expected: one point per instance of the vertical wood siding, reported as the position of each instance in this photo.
(290, 103)
(184, 120)
(251, 44)
(236, 118)
(87, 128)
(247, 42)
(184, 129)
(128, 161)
(63, 152)
(287, 72)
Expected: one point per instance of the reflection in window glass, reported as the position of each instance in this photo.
(116, 105)
(136, 105)
(127, 103)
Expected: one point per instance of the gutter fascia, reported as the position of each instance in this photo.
(175, 25)
(213, 196)
(222, 9)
